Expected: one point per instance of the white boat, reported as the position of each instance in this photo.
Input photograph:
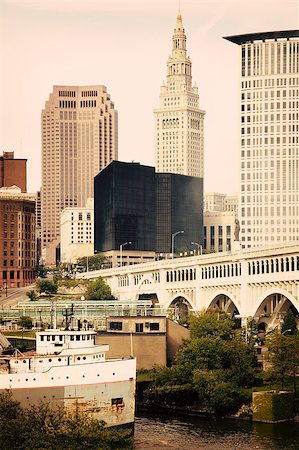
(69, 370)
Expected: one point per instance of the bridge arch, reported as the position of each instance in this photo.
(273, 305)
(224, 301)
(146, 280)
(181, 305)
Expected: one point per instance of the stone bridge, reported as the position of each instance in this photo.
(254, 283)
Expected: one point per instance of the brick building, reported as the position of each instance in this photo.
(13, 171)
(17, 238)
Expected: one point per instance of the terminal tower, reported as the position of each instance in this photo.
(179, 122)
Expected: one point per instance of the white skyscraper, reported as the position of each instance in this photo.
(179, 123)
(269, 204)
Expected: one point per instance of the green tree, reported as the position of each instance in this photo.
(41, 271)
(32, 295)
(47, 286)
(211, 323)
(240, 365)
(216, 362)
(94, 262)
(98, 290)
(289, 325)
(284, 355)
(25, 322)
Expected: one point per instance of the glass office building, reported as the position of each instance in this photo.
(135, 204)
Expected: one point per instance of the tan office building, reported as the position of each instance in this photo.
(79, 138)
(179, 123)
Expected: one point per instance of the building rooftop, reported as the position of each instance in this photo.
(262, 36)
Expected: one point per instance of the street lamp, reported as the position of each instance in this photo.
(286, 331)
(40, 318)
(121, 251)
(172, 240)
(86, 263)
(198, 247)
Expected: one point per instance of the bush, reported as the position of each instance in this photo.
(25, 322)
(168, 395)
(47, 286)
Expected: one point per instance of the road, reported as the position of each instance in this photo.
(14, 296)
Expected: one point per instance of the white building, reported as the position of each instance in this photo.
(179, 123)
(79, 138)
(269, 207)
(77, 235)
(220, 212)
(219, 227)
(215, 201)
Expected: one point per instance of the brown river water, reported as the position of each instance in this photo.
(155, 432)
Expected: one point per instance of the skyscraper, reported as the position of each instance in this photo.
(269, 206)
(79, 138)
(179, 123)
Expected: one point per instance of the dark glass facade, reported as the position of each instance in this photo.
(134, 204)
(124, 207)
(179, 207)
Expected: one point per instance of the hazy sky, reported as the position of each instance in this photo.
(124, 45)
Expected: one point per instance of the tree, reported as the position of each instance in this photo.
(211, 323)
(25, 322)
(32, 295)
(289, 325)
(93, 262)
(41, 271)
(98, 290)
(284, 354)
(47, 286)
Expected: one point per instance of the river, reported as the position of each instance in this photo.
(155, 432)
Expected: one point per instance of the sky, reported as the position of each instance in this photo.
(124, 45)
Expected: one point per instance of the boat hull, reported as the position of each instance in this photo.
(114, 403)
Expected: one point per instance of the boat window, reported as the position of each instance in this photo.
(78, 358)
(48, 338)
(24, 361)
(83, 338)
(60, 337)
(72, 338)
(77, 338)
(53, 338)
(117, 401)
(42, 338)
(88, 337)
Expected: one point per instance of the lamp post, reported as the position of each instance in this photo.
(198, 247)
(172, 240)
(286, 331)
(40, 318)
(121, 251)
(86, 263)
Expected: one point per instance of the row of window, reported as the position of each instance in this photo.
(140, 327)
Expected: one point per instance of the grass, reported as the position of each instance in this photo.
(276, 386)
(19, 333)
